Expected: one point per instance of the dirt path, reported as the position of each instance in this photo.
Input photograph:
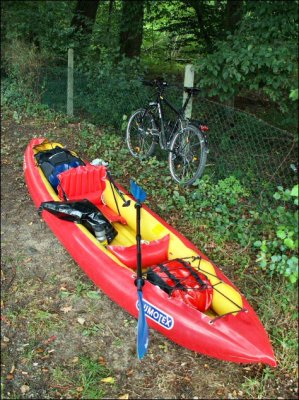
(61, 336)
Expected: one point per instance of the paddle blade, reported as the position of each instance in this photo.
(137, 191)
(142, 329)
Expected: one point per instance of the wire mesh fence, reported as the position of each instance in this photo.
(261, 156)
(247, 147)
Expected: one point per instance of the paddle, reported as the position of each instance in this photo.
(142, 328)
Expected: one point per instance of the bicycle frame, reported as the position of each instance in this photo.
(159, 104)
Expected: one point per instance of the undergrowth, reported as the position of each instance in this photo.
(220, 217)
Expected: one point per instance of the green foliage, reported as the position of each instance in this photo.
(11, 95)
(19, 101)
(224, 205)
(262, 55)
(105, 81)
(278, 252)
(87, 378)
(45, 24)
(23, 64)
(225, 210)
(294, 94)
(228, 191)
(170, 30)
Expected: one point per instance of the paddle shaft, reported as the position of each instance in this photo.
(139, 281)
(142, 328)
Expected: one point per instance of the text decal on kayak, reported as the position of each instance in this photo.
(157, 315)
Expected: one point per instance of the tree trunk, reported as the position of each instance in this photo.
(85, 16)
(131, 28)
(198, 6)
(233, 14)
(111, 3)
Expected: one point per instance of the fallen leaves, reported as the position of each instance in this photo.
(130, 372)
(50, 339)
(81, 320)
(102, 361)
(109, 380)
(10, 375)
(25, 389)
(124, 396)
(66, 309)
(39, 350)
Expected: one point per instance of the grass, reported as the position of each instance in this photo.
(258, 387)
(42, 323)
(92, 330)
(84, 380)
(277, 309)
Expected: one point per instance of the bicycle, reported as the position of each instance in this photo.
(184, 139)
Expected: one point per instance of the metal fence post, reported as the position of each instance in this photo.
(188, 82)
(70, 83)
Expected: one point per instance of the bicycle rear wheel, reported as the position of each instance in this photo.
(139, 136)
(188, 155)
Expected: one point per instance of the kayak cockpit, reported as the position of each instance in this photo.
(166, 259)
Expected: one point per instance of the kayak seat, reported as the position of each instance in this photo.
(87, 182)
(153, 252)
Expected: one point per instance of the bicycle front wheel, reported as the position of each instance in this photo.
(187, 156)
(140, 137)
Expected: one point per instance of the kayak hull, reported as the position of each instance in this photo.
(238, 337)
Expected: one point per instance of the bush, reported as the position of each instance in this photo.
(23, 64)
(225, 205)
(109, 91)
(225, 208)
(278, 250)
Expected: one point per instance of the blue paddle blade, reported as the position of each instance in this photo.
(137, 191)
(142, 329)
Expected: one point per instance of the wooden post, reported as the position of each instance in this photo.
(70, 83)
(188, 82)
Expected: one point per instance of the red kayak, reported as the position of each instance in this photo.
(185, 296)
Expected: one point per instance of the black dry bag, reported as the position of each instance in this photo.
(83, 212)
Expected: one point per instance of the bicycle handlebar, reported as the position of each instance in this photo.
(160, 84)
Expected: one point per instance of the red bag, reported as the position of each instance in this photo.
(180, 280)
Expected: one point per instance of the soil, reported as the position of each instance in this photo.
(56, 325)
